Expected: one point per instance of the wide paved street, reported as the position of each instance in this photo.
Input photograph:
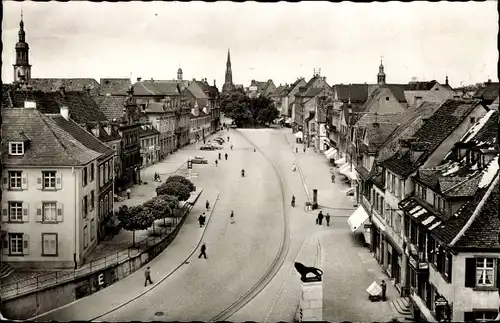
(239, 254)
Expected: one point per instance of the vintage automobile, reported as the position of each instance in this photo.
(220, 140)
(210, 146)
(199, 160)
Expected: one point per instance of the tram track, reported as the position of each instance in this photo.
(277, 262)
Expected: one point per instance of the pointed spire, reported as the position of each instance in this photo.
(228, 58)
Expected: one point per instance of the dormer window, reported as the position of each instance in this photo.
(16, 148)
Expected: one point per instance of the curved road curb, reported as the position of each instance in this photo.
(168, 275)
(278, 260)
(302, 177)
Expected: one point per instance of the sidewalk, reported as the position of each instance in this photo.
(315, 169)
(178, 252)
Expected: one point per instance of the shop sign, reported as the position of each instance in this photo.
(423, 266)
(441, 302)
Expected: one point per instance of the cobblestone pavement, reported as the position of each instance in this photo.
(348, 269)
(238, 254)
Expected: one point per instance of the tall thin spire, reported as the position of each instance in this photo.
(228, 79)
(381, 73)
(228, 58)
(22, 68)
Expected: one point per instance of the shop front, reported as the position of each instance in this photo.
(359, 223)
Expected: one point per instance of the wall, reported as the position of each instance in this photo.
(381, 105)
(457, 134)
(39, 302)
(33, 197)
(91, 215)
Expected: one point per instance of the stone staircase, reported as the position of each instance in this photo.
(402, 306)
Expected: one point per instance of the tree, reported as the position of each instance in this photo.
(135, 218)
(266, 111)
(158, 208)
(173, 204)
(182, 180)
(248, 112)
(176, 189)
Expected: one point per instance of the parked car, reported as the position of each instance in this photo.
(220, 141)
(199, 160)
(215, 145)
(207, 147)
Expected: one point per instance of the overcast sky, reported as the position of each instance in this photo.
(279, 41)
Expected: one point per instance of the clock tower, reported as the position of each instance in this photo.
(22, 68)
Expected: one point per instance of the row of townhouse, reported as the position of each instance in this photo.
(427, 180)
(57, 188)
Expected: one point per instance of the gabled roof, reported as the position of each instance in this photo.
(70, 84)
(356, 92)
(437, 128)
(111, 106)
(484, 133)
(115, 86)
(312, 92)
(398, 90)
(488, 93)
(147, 130)
(49, 144)
(377, 134)
(278, 90)
(156, 88)
(420, 86)
(197, 88)
(381, 118)
(82, 135)
(82, 106)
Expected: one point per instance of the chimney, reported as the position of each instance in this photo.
(139, 79)
(194, 79)
(64, 113)
(417, 149)
(152, 79)
(62, 90)
(214, 83)
(29, 105)
(446, 81)
(404, 146)
(489, 81)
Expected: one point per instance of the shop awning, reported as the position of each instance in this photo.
(357, 220)
(353, 176)
(345, 169)
(340, 161)
(289, 120)
(5, 270)
(330, 153)
(299, 134)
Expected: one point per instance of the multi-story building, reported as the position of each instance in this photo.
(201, 90)
(47, 221)
(200, 122)
(102, 173)
(393, 183)
(150, 149)
(451, 230)
(257, 89)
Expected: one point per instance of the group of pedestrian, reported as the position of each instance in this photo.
(225, 155)
(157, 177)
(297, 149)
(319, 218)
(202, 219)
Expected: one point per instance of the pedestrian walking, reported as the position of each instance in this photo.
(384, 290)
(204, 141)
(216, 163)
(207, 205)
(128, 193)
(296, 150)
(294, 167)
(293, 200)
(304, 149)
(320, 218)
(317, 220)
(254, 150)
(203, 251)
(220, 156)
(231, 146)
(203, 219)
(327, 218)
(200, 220)
(333, 178)
(228, 139)
(147, 276)
(231, 217)
(225, 156)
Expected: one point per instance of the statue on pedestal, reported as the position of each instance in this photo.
(304, 270)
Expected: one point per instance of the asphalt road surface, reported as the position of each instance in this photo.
(239, 254)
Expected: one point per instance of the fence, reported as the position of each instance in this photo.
(24, 286)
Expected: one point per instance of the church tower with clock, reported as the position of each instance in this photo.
(22, 68)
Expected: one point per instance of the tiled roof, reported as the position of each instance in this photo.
(312, 92)
(70, 84)
(82, 106)
(398, 91)
(485, 132)
(421, 213)
(82, 135)
(156, 107)
(111, 106)
(437, 128)
(49, 145)
(278, 90)
(147, 130)
(483, 232)
(420, 86)
(197, 88)
(115, 86)
(380, 118)
(488, 93)
(159, 88)
(377, 134)
(356, 92)
(429, 177)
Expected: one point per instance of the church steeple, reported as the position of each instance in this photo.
(381, 74)
(228, 80)
(22, 68)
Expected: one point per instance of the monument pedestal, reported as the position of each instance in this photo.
(311, 301)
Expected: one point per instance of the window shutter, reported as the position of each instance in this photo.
(26, 244)
(5, 245)
(439, 260)
(450, 267)
(39, 184)
(26, 213)
(58, 181)
(59, 212)
(5, 183)
(39, 217)
(24, 182)
(5, 212)
(470, 272)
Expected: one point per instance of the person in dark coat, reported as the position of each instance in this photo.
(320, 218)
(293, 200)
(200, 220)
(225, 156)
(216, 163)
(203, 251)
(147, 276)
(304, 148)
(220, 156)
(327, 218)
(207, 205)
(296, 150)
(384, 290)
(203, 218)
